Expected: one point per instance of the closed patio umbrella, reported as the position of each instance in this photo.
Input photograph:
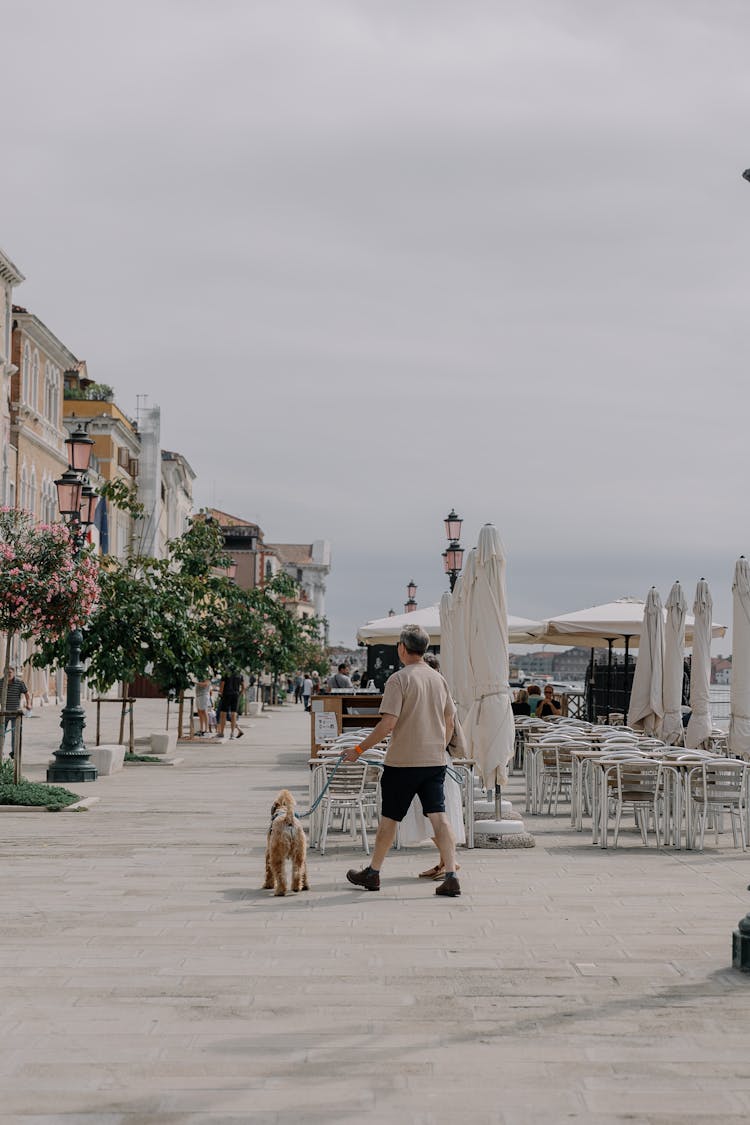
(674, 659)
(739, 724)
(446, 639)
(490, 724)
(460, 636)
(700, 725)
(646, 709)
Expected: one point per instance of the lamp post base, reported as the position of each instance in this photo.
(72, 762)
(741, 946)
(67, 772)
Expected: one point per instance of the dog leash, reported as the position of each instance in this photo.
(368, 762)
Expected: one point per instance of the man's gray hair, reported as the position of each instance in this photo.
(415, 639)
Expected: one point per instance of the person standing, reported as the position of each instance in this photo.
(229, 691)
(298, 688)
(16, 689)
(418, 712)
(307, 688)
(340, 680)
(202, 704)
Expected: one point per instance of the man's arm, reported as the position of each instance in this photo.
(376, 735)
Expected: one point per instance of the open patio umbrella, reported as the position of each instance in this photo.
(739, 723)
(672, 730)
(618, 622)
(699, 727)
(490, 724)
(646, 709)
(387, 630)
(446, 638)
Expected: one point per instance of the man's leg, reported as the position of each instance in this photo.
(384, 838)
(221, 719)
(444, 839)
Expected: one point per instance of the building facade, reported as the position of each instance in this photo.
(309, 564)
(176, 497)
(10, 277)
(37, 429)
(117, 448)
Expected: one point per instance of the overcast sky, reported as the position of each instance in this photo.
(377, 259)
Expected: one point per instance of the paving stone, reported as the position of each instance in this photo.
(148, 978)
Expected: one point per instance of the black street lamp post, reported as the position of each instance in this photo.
(453, 555)
(77, 503)
(410, 605)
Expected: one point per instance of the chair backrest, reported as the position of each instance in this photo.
(718, 782)
(348, 780)
(638, 779)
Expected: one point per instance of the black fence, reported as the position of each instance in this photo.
(608, 685)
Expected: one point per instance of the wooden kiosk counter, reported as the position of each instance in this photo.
(349, 709)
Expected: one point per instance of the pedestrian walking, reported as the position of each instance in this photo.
(230, 688)
(418, 713)
(298, 688)
(16, 689)
(307, 687)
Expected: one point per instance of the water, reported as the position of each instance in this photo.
(720, 701)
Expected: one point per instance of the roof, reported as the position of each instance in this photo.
(9, 270)
(224, 519)
(296, 554)
(169, 455)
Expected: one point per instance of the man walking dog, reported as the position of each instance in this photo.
(418, 712)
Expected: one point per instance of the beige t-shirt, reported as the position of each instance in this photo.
(419, 698)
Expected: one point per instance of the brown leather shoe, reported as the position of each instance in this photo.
(450, 886)
(366, 878)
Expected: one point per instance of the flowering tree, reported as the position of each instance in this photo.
(47, 586)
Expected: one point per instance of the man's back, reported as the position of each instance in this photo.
(418, 696)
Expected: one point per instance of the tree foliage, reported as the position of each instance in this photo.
(182, 618)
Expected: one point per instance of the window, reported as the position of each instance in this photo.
(269, 569)
(23, 499)
(33, 498)
(34, 396)
(26, 373)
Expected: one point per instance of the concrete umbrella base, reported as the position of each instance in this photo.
(502, 834)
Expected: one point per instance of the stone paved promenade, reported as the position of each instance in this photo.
(147, 978)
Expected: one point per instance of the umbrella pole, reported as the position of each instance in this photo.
(592, 690)
(610, 642)
(498, 800)
(625, 687)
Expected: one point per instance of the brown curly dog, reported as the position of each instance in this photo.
(286, 840)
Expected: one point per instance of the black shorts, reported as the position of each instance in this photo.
(399, 785)
(229, 703)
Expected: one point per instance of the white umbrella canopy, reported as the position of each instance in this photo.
(739, 723)
(646, 709)
(387, 630)
(699, 727)
(490, 723)
(446, 638)
(596, 626)
(674, 662)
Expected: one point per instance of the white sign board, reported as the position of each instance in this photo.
(326, 726)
